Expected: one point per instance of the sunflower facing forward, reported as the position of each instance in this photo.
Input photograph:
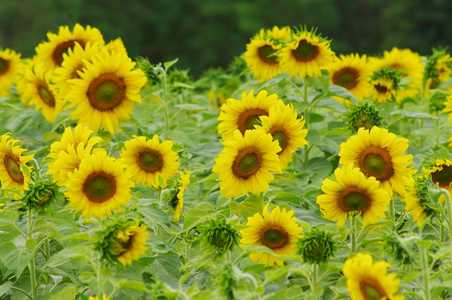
(150, 162)
(379, 153)
(440, 171)
(247, 162)
(352, 192)
(277, 230)
(367, 280)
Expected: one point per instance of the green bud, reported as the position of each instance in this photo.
(218, 235)
(436, 101)
(362, 115)
(41, 193)
(401, 249)
(316, 246)
(148, 69)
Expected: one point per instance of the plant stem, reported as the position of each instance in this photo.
(21, 290)
(425, 272)
(392, 213)
(31, 264)
(449, 212)
(353, 235)
(315, 275)
(99, 276)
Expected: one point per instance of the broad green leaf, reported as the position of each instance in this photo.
(259, 249)
(5, 287)
(17, 259)
(153, 214)
(191, 107)
(336, 90)
(287, 197)
(7, 218)
(68, 293)
(168, 64)
(319, 166)
(198, 214)
(133, 285)
(247, 207)
(277, 273)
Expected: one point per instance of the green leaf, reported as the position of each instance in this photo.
(336, 90)
(287, 197)
(259, 249)
(153, 214)
(277, 273)
(413, 115)
(198, 214)
(17, 259)
(190, 107)
(319, 166)
(5, 287)
(168, 64)
(7, 218)
(68, 293)
(133, 285)
(247, 207)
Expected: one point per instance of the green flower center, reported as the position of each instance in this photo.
(247, 162)
(355, 201)
(377, 162)
(346, 77)
(371, 291)
(363, 120)
(305, 51)
(13, 168)
(249, 118)
(46, 95)
(443, 177)
(275, 238)
(4, 66)
(281, 137)
(99, 187)
(150, 160)
(106, 92)
(63, 48)
(266, 53)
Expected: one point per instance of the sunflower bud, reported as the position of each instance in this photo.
(401, 249)
(437, 69)
(316, 246)
(219, 236)
(436, 101)
(148, 69)
(41, 193)
(237, 66)
(362, 115)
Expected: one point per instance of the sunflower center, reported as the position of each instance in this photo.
(266, 53)
(443, 177)
(150, 160)
(4, 66)
(62, 48)
(346, 77)
(99, 187)
(281, 137)
(247, 162)
(382, 89)
(46, 95)
(305, 51)
(106, 92)
(371, 291)
(175, 199)
(249, 118)
(13, 168)
(375, 161)
(353, 198)
(275, 238)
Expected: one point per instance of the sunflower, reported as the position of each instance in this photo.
(277, 230)
(382, 90)
(150, 162)
(10, 67)
(438, 69)
(244, 114)
(367, 280)
(116, 46)
(1, 204)
(352, 192)
(133, 243)
(283, 125)
(379, 153)
(306, 54)
(247, 162)
(419, 201)
(13, 171)
(104, 297)
(42, 93)
(348, 71)
(106, 90)
(448, 106)
(178, 200)
(98, 186)
(441, 173)
(50, 53)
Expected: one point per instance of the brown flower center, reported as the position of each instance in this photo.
(382, 89)
(305, 51)
(266, 53)
(372, 290)
(346, 77)
(279, 134)
(106, 92)
(4, 66)
(354, 199)
(249, 118)
(62, 48)
(45, 94)
(377, 162)
(99, 186)
(247, 162)
(12, 166)
(274, 237)
(150, 160)
(443, 177)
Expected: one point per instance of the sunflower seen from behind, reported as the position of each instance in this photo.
(177, 202)
(380, 154)
(419, 200)
(277, 230)
(247, 163)
(106, 91)
(99, 185)
(352, 193)
(150, 162)
(10, 67)
(369, 280)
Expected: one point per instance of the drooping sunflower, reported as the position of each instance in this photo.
(379, 153)
(42, 93)
(247, 162)
(368, 280)
(50, 53)
(306, 54)
(419, 201)
(244, 114)
(284, 126)
(150, 162)
(441, 173)
(12, 164)
(177, 202)
(99, 185)
(10, 67)
(133, 242)
(348, 71)
(438, 69)
(277, 230)
(352, 192)
(105, 92)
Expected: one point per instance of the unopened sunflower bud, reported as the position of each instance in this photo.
(148, 69)
(362, 115)
(40, 194)
(316, 246)
(219, 236)
(437, 101)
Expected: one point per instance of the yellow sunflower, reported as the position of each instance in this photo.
(348, 71)
(12, 166)
(50, 53)
(178, 201)
(100, 184)
(106, 91)
(382, 90)
(150, 162)
(306, 54)
(448, 106)
(247, 162)
(418, 200)
(104, 297)
(10, 67)
(284, 126)
(277, 230)
(379, 153)
(116, 46)
(441, 173)
(244, 114)
(352, 192)
(133, 239)
(42, 93)
(368, 280)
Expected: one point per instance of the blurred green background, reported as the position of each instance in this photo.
(209, 33)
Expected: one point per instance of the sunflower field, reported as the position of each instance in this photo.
(295, 173)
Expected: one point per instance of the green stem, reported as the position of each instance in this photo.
(437, 130)
(425, 271)
(99, 276)
(165, 97)
(392, 213)
(22, 291)
(187, 251)
(449, 212)
(31, 264)
(315, 275)
(353, 236)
